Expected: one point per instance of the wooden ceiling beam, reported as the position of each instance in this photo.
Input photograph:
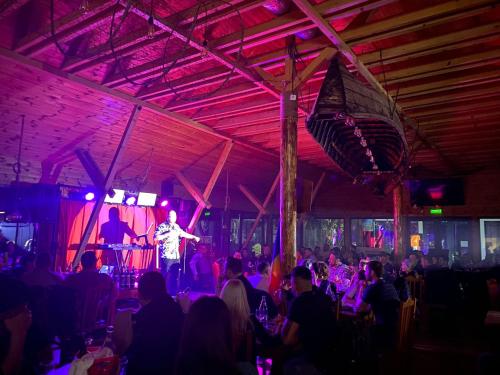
(61, 24)
(217, 56)
(445, 84)
(325, 8)
(454, 108)
(9, 7)
(134, 41)
(152, 68)
(209, 77)
(438, 67)
(16, 58)
(445, 98)
(435, 44)
(222, 96)
(82, 25)
(104, 53)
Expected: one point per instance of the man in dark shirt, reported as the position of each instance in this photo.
(234, 270)
(309, 328)
(113, 232)
(388, 267)
(382, 298)
(157, 329)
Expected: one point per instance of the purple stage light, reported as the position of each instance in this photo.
(164, 203)
(89, 196)
(130, 201)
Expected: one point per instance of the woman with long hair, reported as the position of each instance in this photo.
(206, 343)
(234, 295)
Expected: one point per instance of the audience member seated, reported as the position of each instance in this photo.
(234, 270)
(322, 281)
(356, 289)
(340, 273)
(389, 270)
(309, 329)
(206, 344)
(156, 329)
(41, 275)
(266, 255)
(245, 327)
(413, 265)
(15, 321)
(94, 290)
(248, 260)
(381, 298)
(262, 278)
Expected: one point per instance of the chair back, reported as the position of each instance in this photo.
(94, 305)
(416, 286)
(406, 317)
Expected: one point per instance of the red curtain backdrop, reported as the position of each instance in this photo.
(74, 216)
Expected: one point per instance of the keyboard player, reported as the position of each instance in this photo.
(113, 232)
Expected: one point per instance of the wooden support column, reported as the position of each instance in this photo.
(106, 185)
(397, 198)
(261, 207)
(288, 168)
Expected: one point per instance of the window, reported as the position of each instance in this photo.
(490, 237)
(373, 233)
(323, 232)
(429, 235)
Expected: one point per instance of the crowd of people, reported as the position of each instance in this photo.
(238, 321)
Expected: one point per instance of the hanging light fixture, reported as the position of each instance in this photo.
(151, 23)
(357, 132)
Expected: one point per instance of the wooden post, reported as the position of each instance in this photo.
(288, 168)
(107, 185)
(397, 198)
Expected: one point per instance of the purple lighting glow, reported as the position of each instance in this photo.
(164, 203)
(130, 201)
(89, 196)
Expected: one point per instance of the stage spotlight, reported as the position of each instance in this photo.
(89, 196)
(130, 200)
(164, 203)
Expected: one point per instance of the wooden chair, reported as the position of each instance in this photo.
(96, 304)
(416, 286)
(406, 318)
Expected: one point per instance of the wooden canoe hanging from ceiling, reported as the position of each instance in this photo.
(357, 127)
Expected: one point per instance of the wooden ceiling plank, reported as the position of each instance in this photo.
(445, 84)
(217, 56)
(152, 68)
(106, 52)
(16, 58)
(434, 44)
(88, 22)
(64, 23)
(440, 67)
(9, 7)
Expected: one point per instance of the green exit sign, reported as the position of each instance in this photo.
(436, 211)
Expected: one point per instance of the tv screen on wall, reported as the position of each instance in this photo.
(437, 192)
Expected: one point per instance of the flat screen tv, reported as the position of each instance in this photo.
(437, 192)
